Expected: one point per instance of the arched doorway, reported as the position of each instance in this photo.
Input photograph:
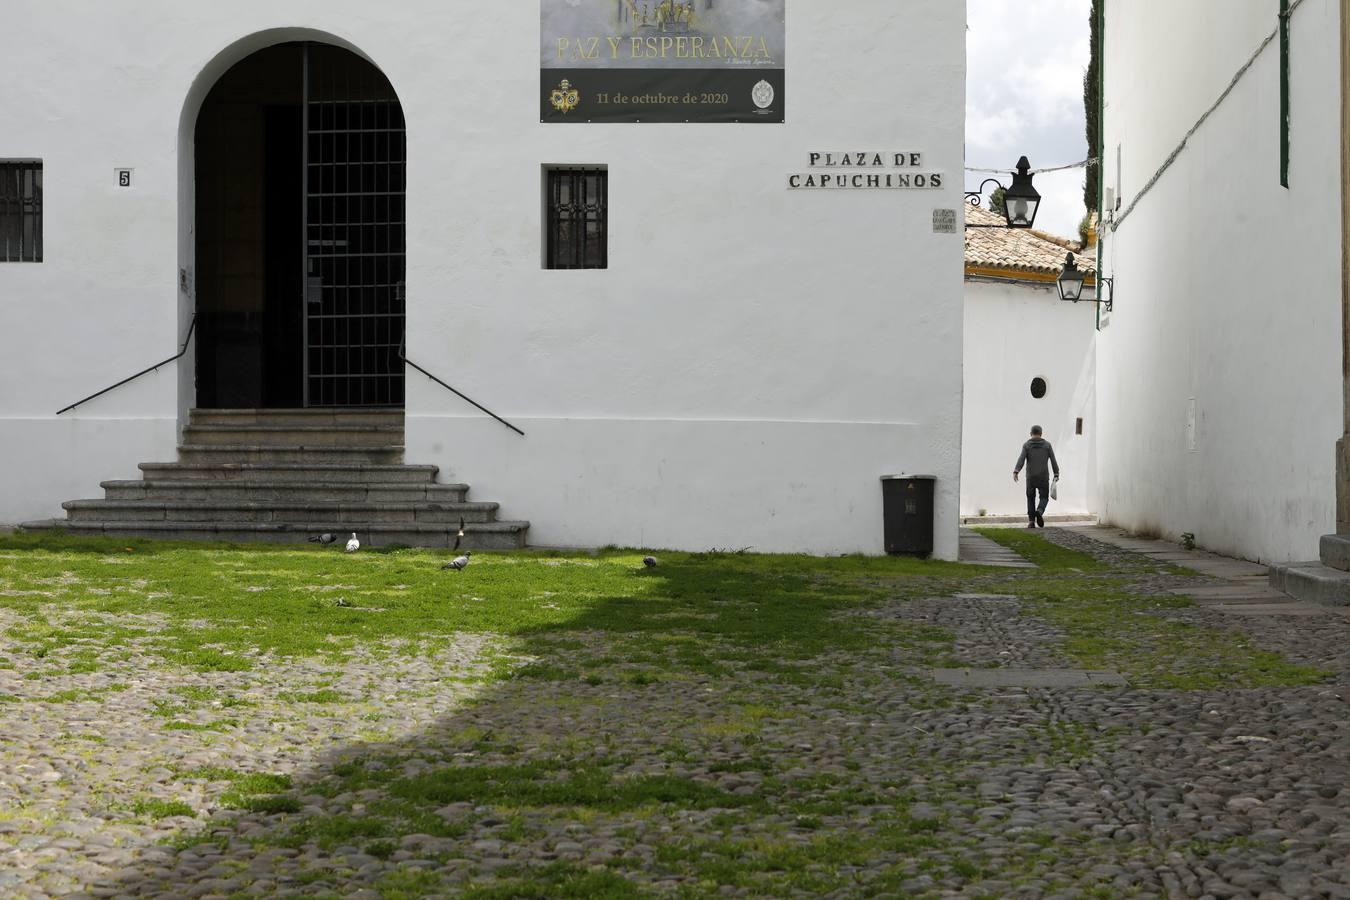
(300, 233)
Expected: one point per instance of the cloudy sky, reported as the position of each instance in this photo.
(1024, 96)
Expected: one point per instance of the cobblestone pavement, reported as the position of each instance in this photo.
(854, 775)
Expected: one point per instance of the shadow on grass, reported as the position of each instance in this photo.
(644, 728)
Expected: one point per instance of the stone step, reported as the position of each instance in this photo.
(213, 511)
(226, 490)
(294, 435)
(482, 536)
(1312, 582)
(1335, 551)
(352, 473)
(315, 417)
(1066, 519)
(254, 453)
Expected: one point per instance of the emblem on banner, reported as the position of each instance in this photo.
(565, 98)
(762, 94)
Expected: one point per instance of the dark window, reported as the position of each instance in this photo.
(1038, 388)
(20, 211)
(577, 226)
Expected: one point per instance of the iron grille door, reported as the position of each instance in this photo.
(354, 257)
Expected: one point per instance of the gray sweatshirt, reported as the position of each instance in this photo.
(1035, 454)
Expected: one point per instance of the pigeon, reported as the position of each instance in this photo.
(459, 563)
(326, 538)
(342, 603)
(460, 535)
(353, 545)
(649, 562)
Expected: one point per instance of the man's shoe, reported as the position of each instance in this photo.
(1040, 520)
(1031, 524)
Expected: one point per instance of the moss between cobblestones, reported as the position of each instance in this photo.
(161, 809)
(1108, 626)
(725, 721)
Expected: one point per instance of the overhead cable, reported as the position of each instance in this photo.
(1172, 157)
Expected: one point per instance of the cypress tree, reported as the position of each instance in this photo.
(1092, 106)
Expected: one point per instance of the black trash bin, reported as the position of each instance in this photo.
(907, 508)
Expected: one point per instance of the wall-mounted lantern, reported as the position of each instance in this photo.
(1072, 285)
(1020, 199)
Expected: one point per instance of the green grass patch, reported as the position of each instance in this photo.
(544, 784)
(326, 695)
(161, 809)
(1122, 632)
(560, 880)
(217, 621)
(1048, 556)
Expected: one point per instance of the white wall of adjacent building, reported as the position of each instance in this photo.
(1219, 371)
(749, 365)
(1015, 333)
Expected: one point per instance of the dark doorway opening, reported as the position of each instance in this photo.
(300, 224)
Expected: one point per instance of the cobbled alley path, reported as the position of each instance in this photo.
(587, 767)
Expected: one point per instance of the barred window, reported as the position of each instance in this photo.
(20, 211)
(577, 218)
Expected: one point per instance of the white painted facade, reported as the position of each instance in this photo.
(740, 376)
(1219, 372)
(1015, 333)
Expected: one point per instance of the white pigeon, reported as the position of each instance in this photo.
(459, 563)
(353, 545)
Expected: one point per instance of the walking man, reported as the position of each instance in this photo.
(1038, 456)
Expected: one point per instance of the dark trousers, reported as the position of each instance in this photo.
(1037, 483)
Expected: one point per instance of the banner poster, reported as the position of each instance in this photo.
(662, 60)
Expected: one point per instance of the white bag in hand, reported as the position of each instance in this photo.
(1054, 489)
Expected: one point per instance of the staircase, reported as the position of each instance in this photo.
(1325, 581)
(282, 475)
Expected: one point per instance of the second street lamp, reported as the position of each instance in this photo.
(1072, 284)
(1071, 281)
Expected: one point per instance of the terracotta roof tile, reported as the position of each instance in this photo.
(1017, 250)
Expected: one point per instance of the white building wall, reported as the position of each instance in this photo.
(1013, 334)
(1219, 370)
(744, 372)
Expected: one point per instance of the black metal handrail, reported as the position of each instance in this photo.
(469, 400)
(187, 340)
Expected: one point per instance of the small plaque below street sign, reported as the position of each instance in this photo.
(944, 221)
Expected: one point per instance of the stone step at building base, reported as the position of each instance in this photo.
(280, 476)
(218, 511)
(387, 455)
(1312, 582)
(481, 536)
(339, 417)
(1057, 519)
(356, 473)
(1335, 551)
(271, 435)
(235, 490)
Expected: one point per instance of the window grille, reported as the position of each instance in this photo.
(20, 211)
(578, 219)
